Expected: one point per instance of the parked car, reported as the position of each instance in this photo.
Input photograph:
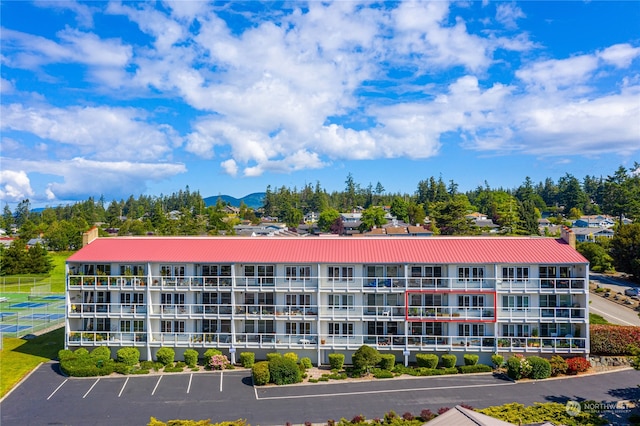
(632, 292)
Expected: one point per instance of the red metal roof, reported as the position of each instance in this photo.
(470, 250)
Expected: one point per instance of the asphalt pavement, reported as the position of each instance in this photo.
(47, 398)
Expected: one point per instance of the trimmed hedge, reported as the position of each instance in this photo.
(497, 360)
(427, 360)
(165, 355)
(471, 359)
(292, 356)
(273, 355)
(449, 360)
(101, 352)
(305, 362)
(260, 373)
(336, 361)
(284, 371)
(191, 357)
(247, 359)
(476, 368)
(578, 364)
(128, 356)
(540, 367)
(387, 361)
(558, 365)
(613, 339)
(211, 352)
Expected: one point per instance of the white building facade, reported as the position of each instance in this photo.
(317, 296)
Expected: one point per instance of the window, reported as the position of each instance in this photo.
(426, 271)
(340, 301)
(263, 273)
(216, 270)
(555, 300)
(258, 298)
(474, 274)
(298, 328)
(297, 273)
(341, 328)
(260, 326)
(547, 272)
(136, 270)
(341, 273)
(427, 300)
(97, 269)
(473, 301)
(381, 328)
(298, 300)
(555, 329)
(515, 302)
(132, 298)
(172, 299)
(515, 273)
(129, 326)
(216, 326)
(470, 329)
(223, 298)
(172, 326)
(172, 271)
(515, 330)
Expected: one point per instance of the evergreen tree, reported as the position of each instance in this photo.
(37, 261)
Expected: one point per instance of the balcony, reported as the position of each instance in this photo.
(450, 313)
(567, 344)
(543, 314)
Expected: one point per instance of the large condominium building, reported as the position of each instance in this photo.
(317, 296)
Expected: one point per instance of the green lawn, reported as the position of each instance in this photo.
(55, 277)
(597, 319)
(18, 357)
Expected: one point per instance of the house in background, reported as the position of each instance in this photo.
(591, 234)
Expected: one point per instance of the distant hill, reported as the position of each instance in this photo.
(254, 200)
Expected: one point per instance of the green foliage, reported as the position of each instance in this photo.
(380, 373)
(365, 358)
(18, 260)
(474, 368)
(449, 360)
(165, 356)
(471, 359)
(427, 360)
(387, 361)
(273, 355)
(625, 249)
(211, 352)
(597, 255)
(247, 359)
(518, 367)
(305, 362)
(336, 361)
(595, 319)
(64, 354)
(121, 368)
(155, 422)
(372, 216)
(327, 218)
(558, 365)
(540, 367)
(284, 371)
(101, 352)
(613, 339)
(191, 357)
(292, 356)
(497, 360)
(81, 352)
(128, 356)
(81, 364)
(538, 413)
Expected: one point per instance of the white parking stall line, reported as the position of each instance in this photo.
(92, 386)
(189, 386)
(380, 391)
(52, 393)
(154, 389)
(221, 381)
(123, 386)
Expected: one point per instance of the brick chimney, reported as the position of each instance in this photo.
(89, 236)
(568, 236)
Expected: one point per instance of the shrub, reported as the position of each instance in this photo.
(273, 355)
(540, 367)
(101, 352)
(471, 359)
(365, 358)
(149, 365)
(121, 368)
(284, 371)
(449, 360)
(379, 373)
(81, 352)
(426, 415)
(541, 412)
(218, 362)
(247, 359)
(518, 367)
(577, 364)
(165, 356)
(558, 365)
(336, 361)
(427, 360)
(292, 356)
(260, 373)
(306, 363)
(64, 354)
(191, 357)
(477, 368)
(407, 416)
(128, 356)
(497, 360)
(613, 339)
(211, 352)
(387, 361)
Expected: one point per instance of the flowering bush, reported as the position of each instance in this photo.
(613, 339)
(518, 367)
(219, 362)
(578, 365)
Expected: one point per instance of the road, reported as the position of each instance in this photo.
(46, 397)
(611, 311)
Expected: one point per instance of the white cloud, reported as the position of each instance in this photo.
(620, 55)
(84, 13)
(6, 87)
(556, 74)
(96, 132)
(14, 185)
(508, 13)
(230, 167)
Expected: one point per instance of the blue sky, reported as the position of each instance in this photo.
(111, 98)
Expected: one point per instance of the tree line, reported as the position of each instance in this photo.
(515, 210)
